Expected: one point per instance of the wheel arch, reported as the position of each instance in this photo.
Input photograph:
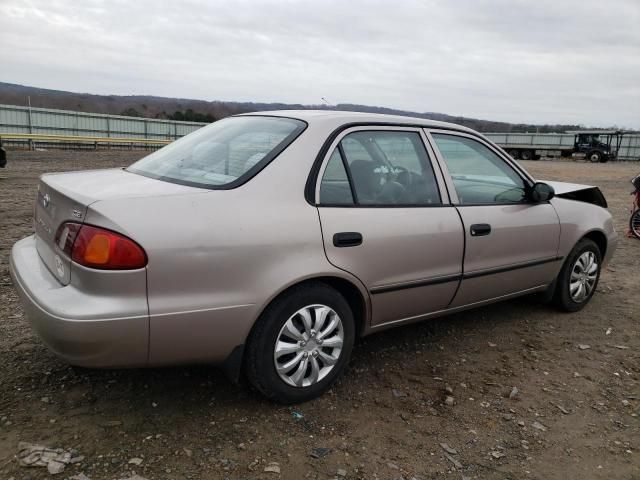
(351, 289)
(600, 240)
(355, 295)
(597, 236)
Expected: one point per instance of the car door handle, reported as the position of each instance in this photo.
(347, 239)
(480, 229)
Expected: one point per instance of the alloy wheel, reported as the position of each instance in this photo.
(583, 276)
(309, 345)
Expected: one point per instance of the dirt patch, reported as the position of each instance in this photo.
(574, 412)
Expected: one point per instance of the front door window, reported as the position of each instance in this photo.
(479, 175)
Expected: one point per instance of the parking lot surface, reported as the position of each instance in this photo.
(536, 393)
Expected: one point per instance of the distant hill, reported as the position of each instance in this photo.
(200, 110)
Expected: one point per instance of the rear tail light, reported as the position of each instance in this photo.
(96, 247)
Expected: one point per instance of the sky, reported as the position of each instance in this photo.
(531, 61)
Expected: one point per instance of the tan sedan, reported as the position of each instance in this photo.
(268, 242)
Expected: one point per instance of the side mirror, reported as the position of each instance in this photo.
(542, 192)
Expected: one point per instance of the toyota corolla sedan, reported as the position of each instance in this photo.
(267, 243)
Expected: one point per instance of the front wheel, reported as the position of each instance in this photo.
(579, 276)
(595, 156)
(301, 344)
(634, 223)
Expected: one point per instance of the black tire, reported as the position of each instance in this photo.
(562, 297)
(259, 361)
(513, 153)
(595, 156)
(526, 155)
(634, 223)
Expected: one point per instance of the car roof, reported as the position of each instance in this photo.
(340, 118)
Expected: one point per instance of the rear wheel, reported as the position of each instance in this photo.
(513, 153)
(579, 276)
(526, 155)
(301, 344)
(634, 223)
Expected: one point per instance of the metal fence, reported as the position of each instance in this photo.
(55, 128)
(629, 147)
(27, 125)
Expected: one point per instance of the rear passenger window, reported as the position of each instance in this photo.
(386, 168)
(335, 188)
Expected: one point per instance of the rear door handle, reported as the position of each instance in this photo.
(480, 229)
(347, 239)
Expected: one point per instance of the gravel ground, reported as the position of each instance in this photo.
(575, 413)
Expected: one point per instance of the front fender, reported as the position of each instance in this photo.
(578, 219)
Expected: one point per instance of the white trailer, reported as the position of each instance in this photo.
(592, 145)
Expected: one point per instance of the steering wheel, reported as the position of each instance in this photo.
(391, 192)
(402, 175)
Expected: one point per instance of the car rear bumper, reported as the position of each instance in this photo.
(83, 327)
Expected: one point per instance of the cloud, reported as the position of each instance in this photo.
(513, 60)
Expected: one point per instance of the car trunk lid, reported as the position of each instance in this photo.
(53, 208)
(65, 197)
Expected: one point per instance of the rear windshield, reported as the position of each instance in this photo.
(221, 155)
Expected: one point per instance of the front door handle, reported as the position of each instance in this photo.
(347, 239)
(480, 229)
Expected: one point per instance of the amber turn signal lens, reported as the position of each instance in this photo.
(96, 247)
(97, 251)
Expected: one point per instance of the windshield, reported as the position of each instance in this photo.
(223, 154)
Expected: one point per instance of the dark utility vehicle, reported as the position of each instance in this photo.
(596, 145)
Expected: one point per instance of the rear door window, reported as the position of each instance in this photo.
(335, 188)
(385, 168)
